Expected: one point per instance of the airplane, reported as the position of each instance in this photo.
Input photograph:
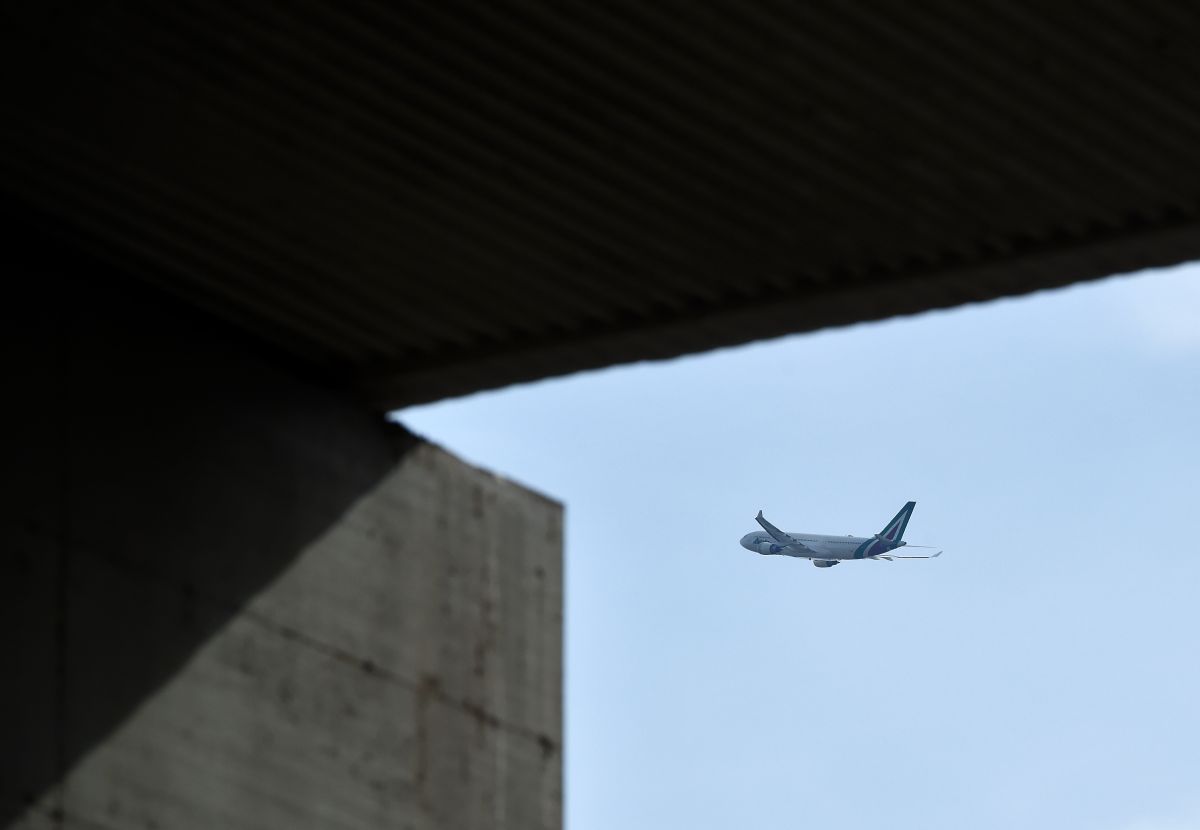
(827, 551)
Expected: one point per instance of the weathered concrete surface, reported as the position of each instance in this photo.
(405, 671)
(234, 598)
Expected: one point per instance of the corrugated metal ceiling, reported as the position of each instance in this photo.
(428, 199)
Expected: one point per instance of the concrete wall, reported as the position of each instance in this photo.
(231, 597)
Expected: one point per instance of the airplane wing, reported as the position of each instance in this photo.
(781, 537)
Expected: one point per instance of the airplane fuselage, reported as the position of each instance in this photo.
(826, 551)
(831, 548)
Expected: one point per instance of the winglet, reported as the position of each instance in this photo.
(774, 532)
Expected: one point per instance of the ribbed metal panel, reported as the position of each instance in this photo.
(435, 198)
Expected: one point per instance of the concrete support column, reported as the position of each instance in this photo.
(233, 598)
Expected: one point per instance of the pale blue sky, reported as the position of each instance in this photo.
(1043, 673)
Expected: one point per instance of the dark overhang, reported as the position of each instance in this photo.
(431, 199)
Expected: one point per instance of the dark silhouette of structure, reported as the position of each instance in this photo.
(236, 235)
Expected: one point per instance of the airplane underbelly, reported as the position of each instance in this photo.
(773, 549)
(818, 551)
(830, 553)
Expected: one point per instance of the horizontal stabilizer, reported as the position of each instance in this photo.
(894, 556)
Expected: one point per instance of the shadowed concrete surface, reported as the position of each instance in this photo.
(430, 199)
(233, 597)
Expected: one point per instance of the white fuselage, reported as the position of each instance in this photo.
(833, 548)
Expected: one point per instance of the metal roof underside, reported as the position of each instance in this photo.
(431, 199)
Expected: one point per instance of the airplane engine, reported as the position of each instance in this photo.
(824, 563)
(769, 548)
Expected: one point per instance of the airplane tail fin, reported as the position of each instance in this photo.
(894, 531)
